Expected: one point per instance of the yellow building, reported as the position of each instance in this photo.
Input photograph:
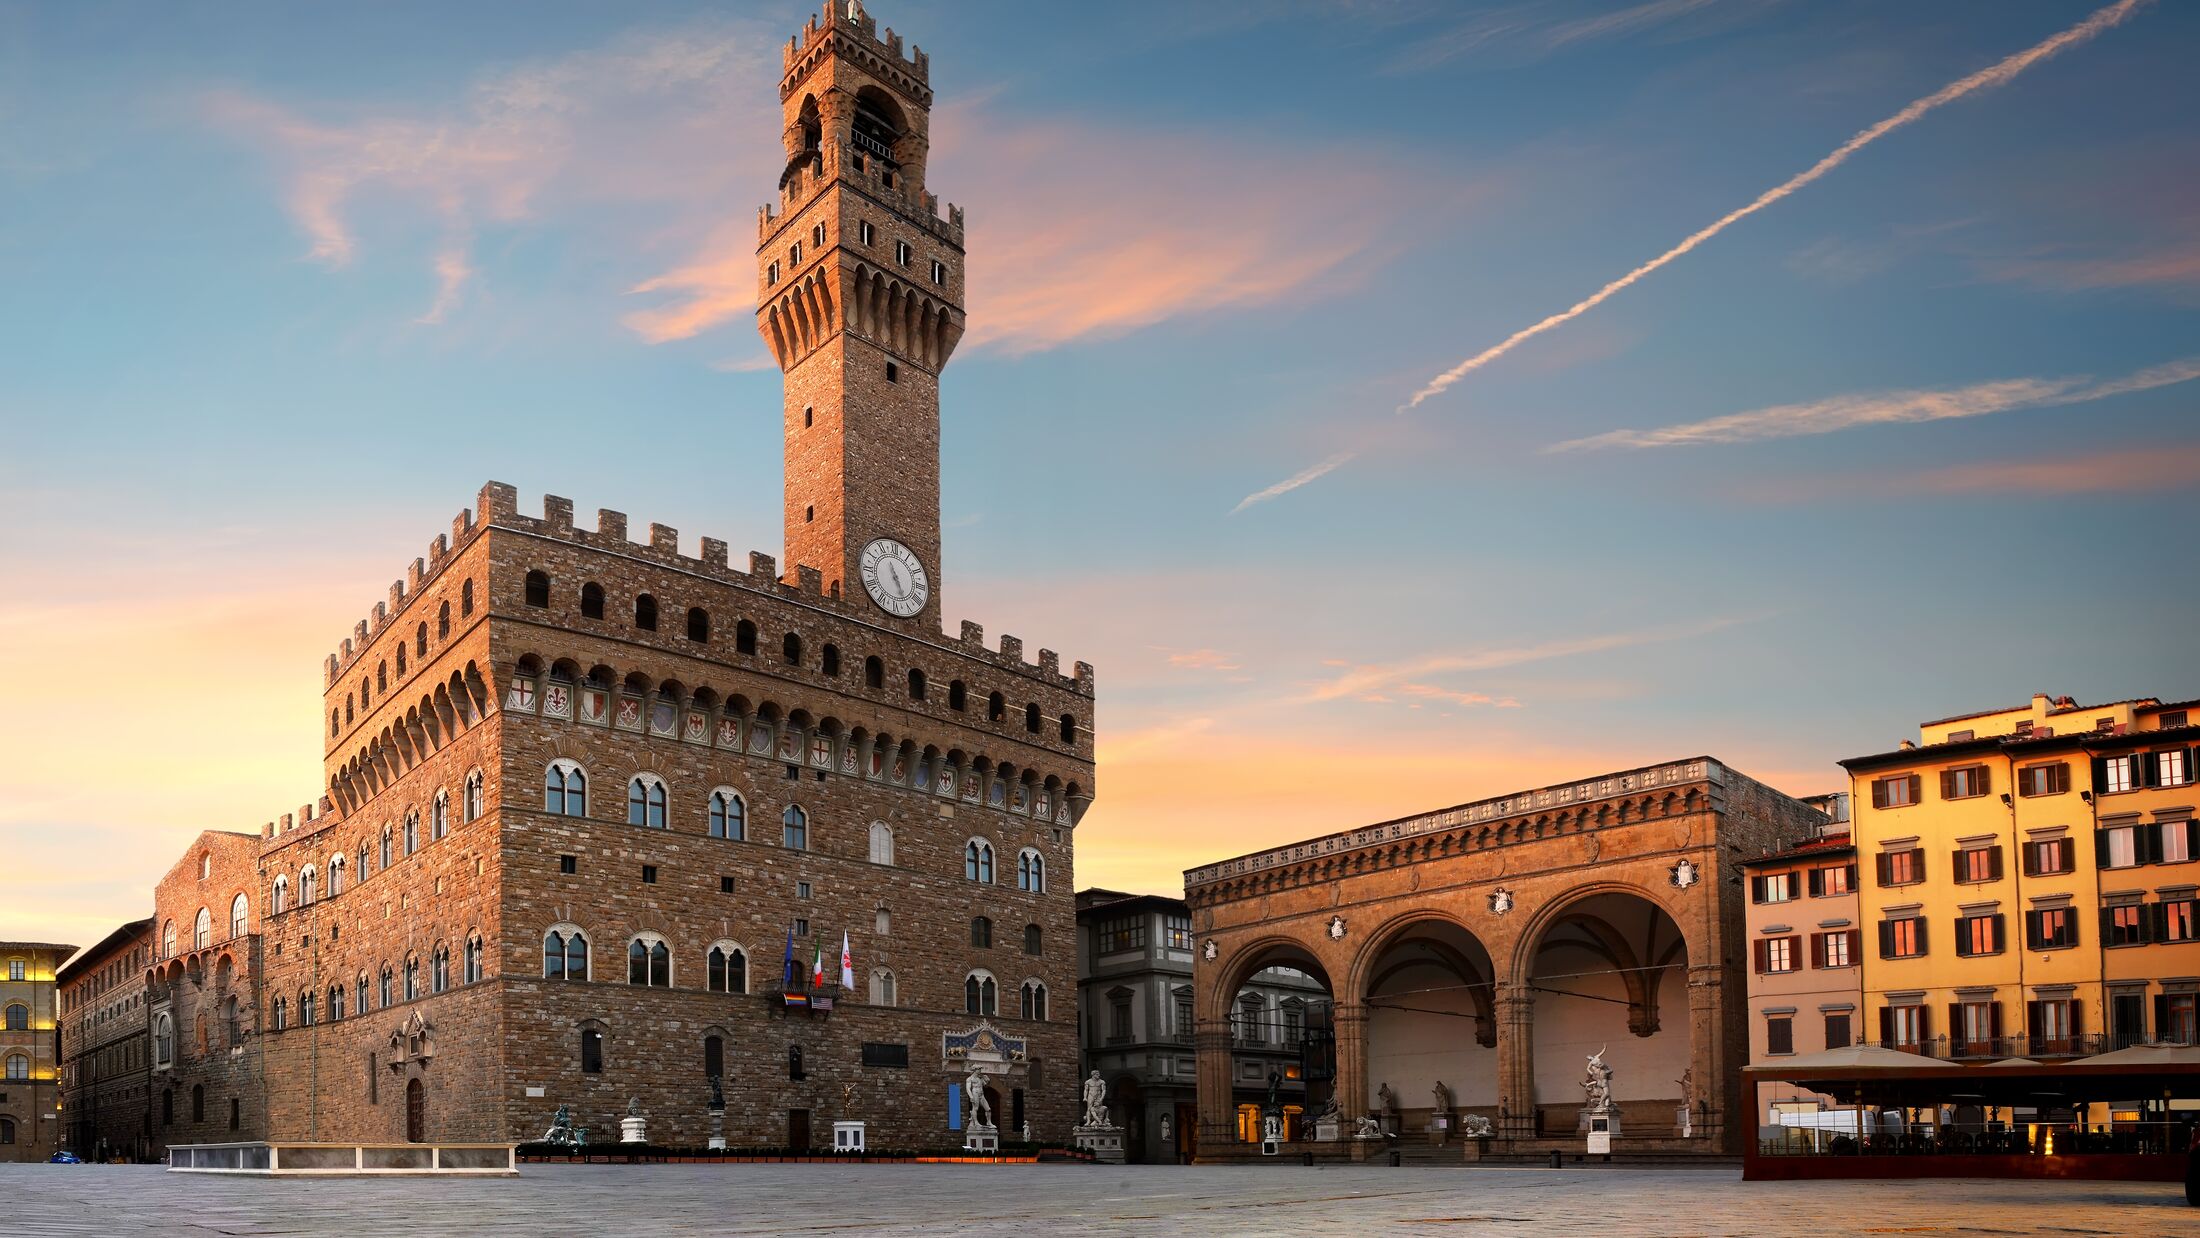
(30, 1085)
(2028, 881)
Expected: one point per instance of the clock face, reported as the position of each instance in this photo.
(894, 577)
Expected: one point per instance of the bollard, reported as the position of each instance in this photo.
(1396, 1158)
(1307, 1158)
(1554, 1159)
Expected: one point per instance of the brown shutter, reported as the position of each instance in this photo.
(1758, 952)
(1886, 1027)
(1795, 951)
(1879, 792)
(2077, 1017)
(1917, 789)
(1947, 784)
(1885, 867)
(2001, 932)
(1993, 1025)
(1816, 882)
(1886, 939)
(2058, 777)
(2032, 1023)
(1921, 947)
(2028, 860)
(1993, 862)
(1856, 947)
(1960, 867)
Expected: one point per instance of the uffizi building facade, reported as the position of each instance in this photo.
(585, 794)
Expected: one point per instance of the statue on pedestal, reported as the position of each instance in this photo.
(1443, 1097)
(563, 1133)
(1386, 1098)
(981, 1109)
(1096, 1099)
(633, 1128)
(1475, 1126)
(1275, 1092)
(1597, 1086)
(1365, 1127)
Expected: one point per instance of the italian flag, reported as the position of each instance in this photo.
(817, 969)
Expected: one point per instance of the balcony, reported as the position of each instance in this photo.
(1999, 1048)
(871, 145)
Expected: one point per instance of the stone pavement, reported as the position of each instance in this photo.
(1064, 1201)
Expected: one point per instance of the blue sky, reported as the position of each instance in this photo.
(281, 287)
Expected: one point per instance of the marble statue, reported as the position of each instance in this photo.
(1386, 1098)
(633, 1106)
(1365, 1127)
(633, 1128)
(981, 1109)
(1598, 1084)
(1688, 1088)
(1443, 1097)
(1096, 1100)
(1331, 1111)
(1475, 1126)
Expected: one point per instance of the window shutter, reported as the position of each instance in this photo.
(2028, 860)
(1921, 947)
(2077, 1017)
(1993, 862)
(2001, 933)
(2108, 925)
(2058, 778)
(1917, 788)
(2155, 919)
(2032, 938)
(1756, 889)
(1947, 784)
(1816, 882)
(1993, 1020)
(1757, 957)
(1886, 939)
(1795, 950)
(1879, 793)
(1885, 862)
(2161, 1013)
(2100, 848)
(1960, 874)
(1852, 877)
(2149, 775)
(1886, 1026)
(1817, 949)
(2146, 844)
(2100, 774)
(1856, 945)
(2192, 837)
(1924, 1023)
(2032, 1022)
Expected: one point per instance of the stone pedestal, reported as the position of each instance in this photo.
(633, 1130)
(717, 1129)
(848, 1137)
(1684, 1121)
(1104, 1142)
(980, 1137)
(1327, 1130)
(1589, 1119)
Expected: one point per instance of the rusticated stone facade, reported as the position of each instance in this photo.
(1477, 955)
(549, 735)
(107, 1047)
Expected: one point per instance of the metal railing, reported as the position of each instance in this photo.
(1995, 1048)
(1998, 1139)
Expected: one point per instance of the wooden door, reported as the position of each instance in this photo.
(798, 1128)
(416, 1112)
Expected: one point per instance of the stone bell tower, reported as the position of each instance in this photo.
(860, 298)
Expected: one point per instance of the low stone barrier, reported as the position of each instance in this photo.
(303, 1159)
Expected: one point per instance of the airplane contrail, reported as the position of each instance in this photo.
(1984, 79)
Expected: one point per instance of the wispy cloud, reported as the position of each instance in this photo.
(1372, 680)
(452, 270)
(1087, 251)
(2172, 266)
(1845, 412)
(1544, 27)
(1985, 79)
(2131, 471)
(1202, 660)
(1293, 482)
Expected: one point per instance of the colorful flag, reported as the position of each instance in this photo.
(847, 963)
(817, 968)
(786, 967)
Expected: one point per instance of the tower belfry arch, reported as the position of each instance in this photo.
(860, 299)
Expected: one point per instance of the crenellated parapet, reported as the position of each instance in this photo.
(837, 162)
(843, 28)
(418, 575)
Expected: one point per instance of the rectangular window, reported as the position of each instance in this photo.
(569, 864)
(1906, 1027)
(771, 274)
(2051, 779)
(1901, 868)
(2051, 928)
(1772, 888)
(863, 232)
(1978, 935)
(2176, 843)
(1125, 933)
(2172, 720)
(1776, 954)
(1177, 932)
(2052, 1025)
(1780, 1034)
(1902, 939)
(1837, 1031)
(794, 254)
(649, 874)
(801, 926)
(1968, 782)
(2172, 768)
(1958, 737)
(2177, 920)
(2124, 925)
(1895, 791)
(802, 889)
(1975, 864)
(893, 372)
(1978, 1027)
(2120, 773)
(1836, 949)
(891, 1057)
(2047, 857)
(1833, 881)
(591, 1051)
(2174, 1019)
(939, 273)
(2119, 847)
(725, 885)
(902, 252)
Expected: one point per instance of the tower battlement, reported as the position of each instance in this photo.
(845, 27)
(498, 507)
(835, 162)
